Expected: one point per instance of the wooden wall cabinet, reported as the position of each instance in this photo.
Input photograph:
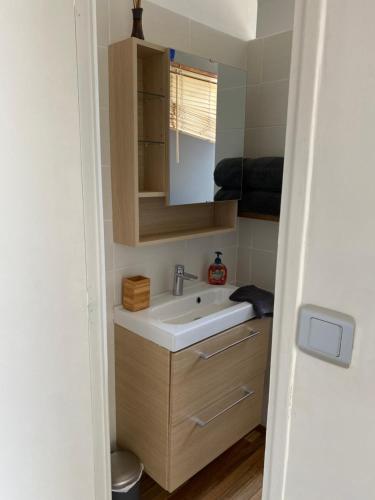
(139, 131)
(179, 411)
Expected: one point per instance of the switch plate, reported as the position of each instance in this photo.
(326, 334)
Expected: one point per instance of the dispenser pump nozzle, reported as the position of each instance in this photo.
(218, 257)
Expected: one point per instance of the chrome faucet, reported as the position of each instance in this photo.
(179, 277)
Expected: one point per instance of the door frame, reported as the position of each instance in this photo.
(305, 78)
(88, 91)
(309, 24)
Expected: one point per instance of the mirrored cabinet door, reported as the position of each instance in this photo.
(206, 130)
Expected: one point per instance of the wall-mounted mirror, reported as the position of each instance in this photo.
(206, 130)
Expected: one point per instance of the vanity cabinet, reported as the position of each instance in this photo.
(178, 411)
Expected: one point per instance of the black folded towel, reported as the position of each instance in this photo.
(260, 202)
(261, 299)
(227, 194)
(228, 173)
(263, 174)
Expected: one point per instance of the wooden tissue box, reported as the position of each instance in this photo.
(136, 293)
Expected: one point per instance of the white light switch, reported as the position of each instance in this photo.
(326, 334)
(325, 337)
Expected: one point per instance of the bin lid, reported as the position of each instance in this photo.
(126, 469)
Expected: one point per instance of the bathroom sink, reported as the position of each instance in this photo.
(178, 322)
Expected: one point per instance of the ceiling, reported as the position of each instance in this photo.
(235, 17)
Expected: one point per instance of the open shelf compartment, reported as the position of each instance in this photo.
(151, 167)
(158, 222)
(152, 91)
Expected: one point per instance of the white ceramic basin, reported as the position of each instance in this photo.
(178, 322)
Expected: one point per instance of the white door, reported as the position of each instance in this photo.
(48, 413)
(321, 439)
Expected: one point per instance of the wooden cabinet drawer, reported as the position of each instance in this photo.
(194, 445)
(202, 373)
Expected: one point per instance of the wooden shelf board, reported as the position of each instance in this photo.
(151, 194)
(253, 215)
(183, 235)
(151, 94)
(145, 141)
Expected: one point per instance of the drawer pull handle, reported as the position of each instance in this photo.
(203, 423)
(253, 333)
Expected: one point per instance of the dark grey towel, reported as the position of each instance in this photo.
(227, 194)
(261, 299)
(228, 173)
(263, 174)
(260, 202)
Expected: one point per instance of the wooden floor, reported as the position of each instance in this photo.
(237, 474)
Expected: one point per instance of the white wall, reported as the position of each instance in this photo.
(257, 253)
(168, 29)
(268, 66)
(274, 16)
(46, 431)
(239, 18)
(325, 413)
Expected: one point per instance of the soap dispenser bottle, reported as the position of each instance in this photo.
(217, 272)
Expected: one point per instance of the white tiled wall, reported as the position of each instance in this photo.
(268, 65)
(257, 253)
(166, 28)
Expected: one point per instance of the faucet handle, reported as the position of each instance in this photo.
(179, 269)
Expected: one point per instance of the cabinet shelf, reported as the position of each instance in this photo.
(146, 141)
(159, 222)
(189, 234)
(151, 194)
